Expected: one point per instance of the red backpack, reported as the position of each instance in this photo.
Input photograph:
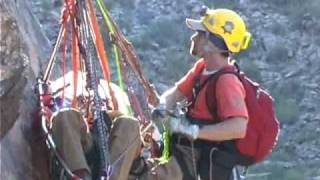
(263, 126)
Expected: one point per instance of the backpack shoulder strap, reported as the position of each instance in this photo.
(197, 87)
(211, 98)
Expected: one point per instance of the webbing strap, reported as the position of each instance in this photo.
(115, 49)
(210, 95)
(98, 40)
(197, 87)
(64, 59)
(211, 98)
(75, 67)
(129, 55)
(101, 50)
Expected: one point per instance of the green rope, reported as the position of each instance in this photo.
(115, 49)
(166, 135)
(166, 146)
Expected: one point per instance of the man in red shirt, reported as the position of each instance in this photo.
(202, 144)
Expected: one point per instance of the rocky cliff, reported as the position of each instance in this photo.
(21, 48)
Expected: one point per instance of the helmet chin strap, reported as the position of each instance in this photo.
(206, 47)
(197, 56)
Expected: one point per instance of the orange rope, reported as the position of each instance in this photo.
(75, 67)
(70, 11)
(101, 51)
(99, 41)
(64, 59)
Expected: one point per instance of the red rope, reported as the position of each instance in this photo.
(135, 103)
(75, 66)
(98, 40)
(64, 59)
(99, 44)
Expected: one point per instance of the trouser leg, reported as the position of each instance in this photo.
(188, 161)
(219, 162)
(72, 138)
(155, 170)
(125, 146)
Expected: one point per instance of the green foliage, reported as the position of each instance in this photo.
(286, 2)
(229, 4)
(176, 63)
(295, 9)
(280, 156)
(167, 38)
(162, 33)
(167, 31)
(125, 21)
(287, 95)
(46, 5)
(293, 174)
(251, 69)
(278, 28)
(125, 4)
(276, 172)
(46, 8)
(287, 109)
(277, 54)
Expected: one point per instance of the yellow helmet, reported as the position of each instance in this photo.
(225, 23)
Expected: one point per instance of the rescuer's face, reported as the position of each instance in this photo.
(197, 42)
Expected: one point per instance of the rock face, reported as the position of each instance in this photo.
(21, 46)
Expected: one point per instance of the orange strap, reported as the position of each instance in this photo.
(69, 12)
(75, 66)
(64, 54)
(99, 42)
(64, 23)
(101, 51)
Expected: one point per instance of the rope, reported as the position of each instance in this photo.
(120, 43)
(129, 54)
(64, 59)
(98, 40)
(99, 44)
(99, 122)
(64, 19)
(53, 54)
(211, 153)
(75, 67)
(166, 146)
(84, 23)
(115, 49)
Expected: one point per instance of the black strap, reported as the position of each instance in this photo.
(197, 87)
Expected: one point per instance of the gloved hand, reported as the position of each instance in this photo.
(159, 116)
(182, 126)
